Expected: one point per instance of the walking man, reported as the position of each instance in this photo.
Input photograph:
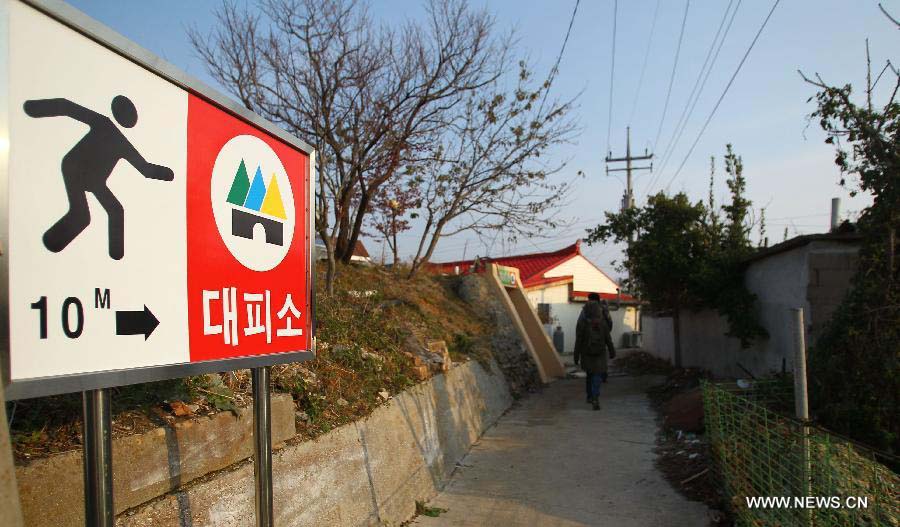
(592, 341)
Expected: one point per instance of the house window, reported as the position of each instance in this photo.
(543, 311)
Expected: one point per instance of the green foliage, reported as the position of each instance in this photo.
(854, 367)
(213, 388)
(425, 510)
(685, 256)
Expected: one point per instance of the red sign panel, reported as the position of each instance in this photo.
(247, 239)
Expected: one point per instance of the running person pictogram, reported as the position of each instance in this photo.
(88, 165)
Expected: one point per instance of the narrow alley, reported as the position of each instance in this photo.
(552, 461)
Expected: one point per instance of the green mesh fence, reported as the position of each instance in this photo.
(807, 476)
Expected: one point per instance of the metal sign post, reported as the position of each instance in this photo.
(98, 480)
(262, 441)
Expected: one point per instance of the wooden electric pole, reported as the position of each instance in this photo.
(628, 199)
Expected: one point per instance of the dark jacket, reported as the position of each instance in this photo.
(593, 339)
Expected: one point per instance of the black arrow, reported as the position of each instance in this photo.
(136, 322)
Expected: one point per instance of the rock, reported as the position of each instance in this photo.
(421, 373)
(342, 402)
(419, 369)
(384, 395)
(435, 357)
(303, 416)
(440, 355)
(180, 409)
(193, 408)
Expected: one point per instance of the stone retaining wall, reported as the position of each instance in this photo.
(370, 472)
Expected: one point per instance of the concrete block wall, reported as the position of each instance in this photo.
(830, 276)
(146, 465)
(370, 472)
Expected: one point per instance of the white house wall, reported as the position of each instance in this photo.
(557, 294)
(566, 316)
(586, 276)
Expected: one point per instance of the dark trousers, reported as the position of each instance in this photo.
(592, 384)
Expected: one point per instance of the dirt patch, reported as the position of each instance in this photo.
(684, 411)
(682, 447)
(642, 363)
(684, 459)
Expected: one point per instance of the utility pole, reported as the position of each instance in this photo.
(628, 198)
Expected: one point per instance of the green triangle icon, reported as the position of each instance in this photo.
(240, 186)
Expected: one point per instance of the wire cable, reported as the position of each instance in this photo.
(687, 5)
(724, 92)
(559, 57)
(712, 46)
(612, 75)
(637, 94)
(670, 149)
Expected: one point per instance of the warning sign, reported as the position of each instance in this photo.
(153, 230)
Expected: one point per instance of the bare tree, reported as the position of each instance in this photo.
(364, 95)
(485, 171)
(391, 211)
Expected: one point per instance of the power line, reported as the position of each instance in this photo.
(681, 119)
(725, 91)
(612, 75)
(637, 94)
(687, 5)
(670, 149)
(559, 57)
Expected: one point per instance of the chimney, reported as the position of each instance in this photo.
(835, 213)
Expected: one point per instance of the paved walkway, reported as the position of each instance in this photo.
(552, 461)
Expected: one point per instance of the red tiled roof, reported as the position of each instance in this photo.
(531, 266)
(360, 250)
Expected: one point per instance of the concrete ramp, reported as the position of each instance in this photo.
(508, 286)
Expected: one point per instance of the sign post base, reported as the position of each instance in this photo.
(262, 453)
(97, 432)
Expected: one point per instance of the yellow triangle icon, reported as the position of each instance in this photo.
(272, 204)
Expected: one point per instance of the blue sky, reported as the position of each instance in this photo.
(789, 170)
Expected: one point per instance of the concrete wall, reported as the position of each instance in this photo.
(658, 337)
(830, 273)
(815, 276)
(146, 465)
(366, 473)
(370, 472)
